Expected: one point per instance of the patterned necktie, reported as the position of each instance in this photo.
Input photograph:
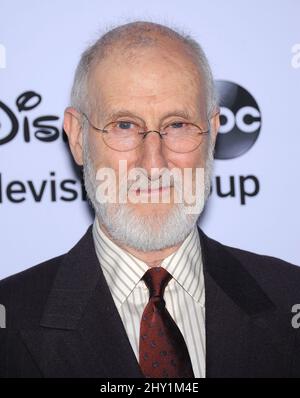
(162, 351)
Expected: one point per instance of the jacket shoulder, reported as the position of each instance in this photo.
(260, 264)
(279, 279)
(24, 294)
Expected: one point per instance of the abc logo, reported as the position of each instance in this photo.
(240, 120)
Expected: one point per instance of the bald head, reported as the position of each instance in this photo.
(139, 35)
(128, 43)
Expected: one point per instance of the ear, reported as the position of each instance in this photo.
(215, 125)
(73, 129)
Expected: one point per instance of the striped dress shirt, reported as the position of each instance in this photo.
(184, 294)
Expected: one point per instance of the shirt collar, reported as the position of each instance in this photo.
(123, 271)
(185, 265)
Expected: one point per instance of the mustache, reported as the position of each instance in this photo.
(143, 182)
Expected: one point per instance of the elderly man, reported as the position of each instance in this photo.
(145, 293)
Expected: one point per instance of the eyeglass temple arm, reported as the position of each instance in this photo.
(92, 125)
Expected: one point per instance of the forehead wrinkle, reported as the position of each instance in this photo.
(171, 61)
(114, 103)
(115, 114)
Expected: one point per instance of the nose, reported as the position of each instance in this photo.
(153, 154)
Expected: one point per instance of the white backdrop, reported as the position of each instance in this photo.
(254, 43)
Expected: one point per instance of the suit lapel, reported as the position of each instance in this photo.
(81, 333)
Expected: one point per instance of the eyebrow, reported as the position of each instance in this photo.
(124, 112)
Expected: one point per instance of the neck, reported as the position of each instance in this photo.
(152, 259)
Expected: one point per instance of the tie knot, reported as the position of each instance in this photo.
(156, 279)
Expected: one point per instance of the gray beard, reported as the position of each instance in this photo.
(143, 232)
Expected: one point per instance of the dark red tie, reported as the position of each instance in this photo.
(163, 352)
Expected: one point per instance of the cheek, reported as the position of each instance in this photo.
(100, 154)
(103, 156)
(189, 160)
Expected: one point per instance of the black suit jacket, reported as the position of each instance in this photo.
(62, 321)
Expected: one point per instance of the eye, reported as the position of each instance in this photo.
(177, 125)
(123, 125)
